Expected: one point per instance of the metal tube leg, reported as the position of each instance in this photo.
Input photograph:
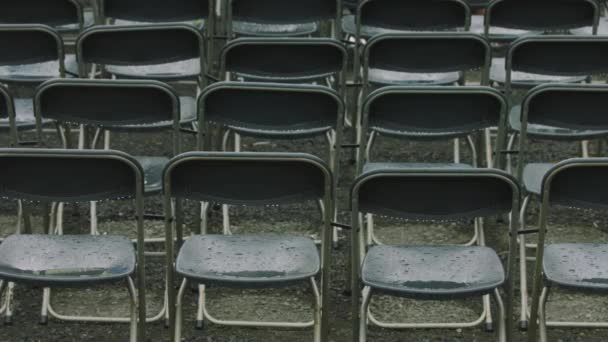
(317, 310)
(8, 312)
(44, 312)
(523, 269)
(585, 148)
(487, 305)
(366, 298)
(226, 220)
(456, 151)
(200, 315)
(502, 332)
(178, 310)
(94, 226)
(488, 143)
(542, 316)
(133, 309)
(204, 222)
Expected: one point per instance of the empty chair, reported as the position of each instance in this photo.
(374, 17)
(582, 267)
(424, 59)
(506, 20)
(274, 18)
(534, 60)
(65, 16)
(245, 260)
(553, 112)
(68, 261)
(120, 12)
(165, 52)
(430, 272)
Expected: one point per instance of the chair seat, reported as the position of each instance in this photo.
(89, 20)
(520, 79)
(153, 173)
(24, 116)
(389, 129)
(187, 116)
(349, 27)
(175, 71)
(602, 29)
(66, 260)
(284, 133)
(37, 72)
(248, 261)
(247, 28)
(533, 177)
(381, 77)
(432, 272)
(582, 266)
(498, 34)
(371, 167)
(200, 24)
(550, 132)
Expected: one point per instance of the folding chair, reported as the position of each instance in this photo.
(277, 18)
(65, 16)
(164, 52)
(431, 272)
(575, 183)
(249, 261)
(70, 261)
(552, 112)
(111, 106)
(7, 116)
(535, 60)
(507, 20)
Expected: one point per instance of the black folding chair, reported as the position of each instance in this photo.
(75, 260)
(249, 261)
(581, 267)
(552, 112)
(431, 272)
(277, 18)
(507, 20)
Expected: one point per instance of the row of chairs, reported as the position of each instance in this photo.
(254, 261)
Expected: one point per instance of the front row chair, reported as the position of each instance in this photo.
(69, 261)
(575, 183)
(431, 272)
(249, 261)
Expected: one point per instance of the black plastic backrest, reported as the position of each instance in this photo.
(247, 178)
(106, 103)
(415, 14)
(559, 55)
(68, 176)
(139, 44)
(268, 105)
(429, 194)
(435, 109)
(428, 52)
(579, 183)
(156, 10)
(47, 12)
(283, 12)
(28, 44)
(581, 107)
(542, 14)
(279, 57)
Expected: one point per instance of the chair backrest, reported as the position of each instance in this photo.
(30, 44)
(136, 45)
(440, 111)
(7, 112)
(284, 59)
(283, 12)
(435, 194)
(578, 182)
(428, 53)
(414, 15)
(247, 178)
(69, 175)
(560, 55)
(156, 11)
(107, 104)
(271, 110)
(542, 15)
(47, 12)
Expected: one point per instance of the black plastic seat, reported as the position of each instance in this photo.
(66, 259)
(581, 266)
(379, 78)
(153, 172)
(188, 109)
(167, 52)
(37, 72)
(499, 34)
(533, 176)
(520, 79)
(372, 167)
(65, 16)
(136, 12)
(248, 260)
(250, 29)
(432, 272)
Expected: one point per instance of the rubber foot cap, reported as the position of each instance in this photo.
(489, 327)
(44, 320)
(200, 325)
(523, 325)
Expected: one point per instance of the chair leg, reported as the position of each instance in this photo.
(489, 325)
(502, 331)
(133, 310)
(523, 281)
(178, 310)
(366, 298)
(542, 315)
(317, 311)
(200, 316)
(8, 312)
(44, 312)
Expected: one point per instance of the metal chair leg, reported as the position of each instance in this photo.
(502, 331)
(542, 316)
(178, 310)
(200, 316)
(366, 299)
(317, 310)
(133, 310)
(523, 271)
